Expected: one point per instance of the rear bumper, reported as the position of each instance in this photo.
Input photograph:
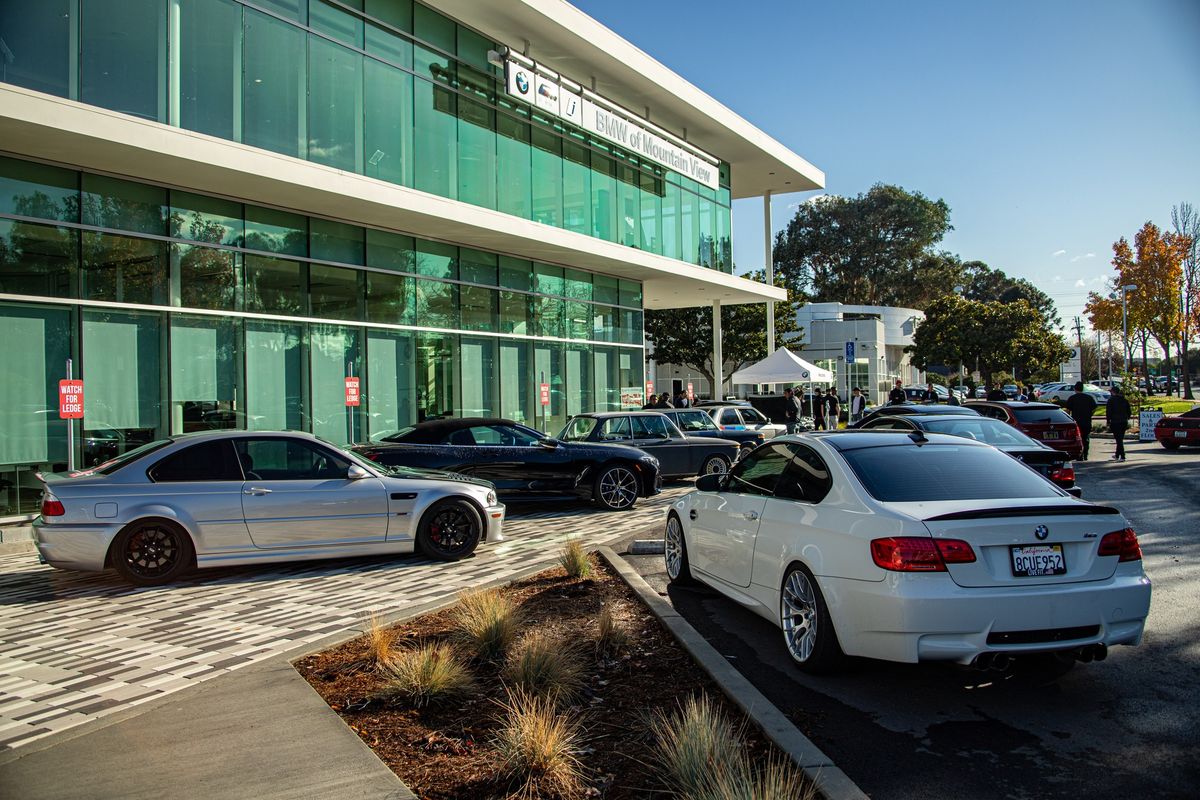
(81, 547)
(1168, 435)
(928, 617)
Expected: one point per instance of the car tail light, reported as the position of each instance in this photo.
(919, 553)
(51, 506)
(1121, 543)
(1063, 474)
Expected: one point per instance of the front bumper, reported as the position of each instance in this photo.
(82, 547)
(927, 617)
(494, 523)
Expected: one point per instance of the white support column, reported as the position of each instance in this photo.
(717, 356)
(769, 265)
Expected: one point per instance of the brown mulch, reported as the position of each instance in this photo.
(443, 752)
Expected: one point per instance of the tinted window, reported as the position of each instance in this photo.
(207, 461)
(806, 477)
(753, 416)
(111, 466)
(759, 471)
(615, 429)
(886, 424)
(650, 428)
(730, 417)
(1042, 415)
(498, 436)
(935, 472)
(577, 429)
(984, 430)
(288, 460)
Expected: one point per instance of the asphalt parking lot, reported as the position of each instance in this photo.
(1123, 728)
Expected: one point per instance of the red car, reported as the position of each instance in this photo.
(1179, 430)
(1045, 422)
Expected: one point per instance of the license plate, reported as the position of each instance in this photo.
(1050, 435)
(1180, 434)
(1038, 560)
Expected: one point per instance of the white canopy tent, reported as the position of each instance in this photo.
(783, 366)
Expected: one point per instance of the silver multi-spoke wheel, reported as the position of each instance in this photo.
(618, 488)
(800, 616)
(715, 465)
(673, 550)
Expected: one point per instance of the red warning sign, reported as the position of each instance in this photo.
(544, 394)
(352, 395)
(70, 399)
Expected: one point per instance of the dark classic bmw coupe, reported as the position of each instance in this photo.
(524, 464)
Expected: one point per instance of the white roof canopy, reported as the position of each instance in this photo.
(783, 366)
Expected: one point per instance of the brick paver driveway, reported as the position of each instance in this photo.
(76, 646)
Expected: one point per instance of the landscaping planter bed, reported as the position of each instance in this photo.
(445, 751)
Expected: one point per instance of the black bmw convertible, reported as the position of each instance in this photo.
(524, 464)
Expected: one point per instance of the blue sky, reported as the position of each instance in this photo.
(1050, 128)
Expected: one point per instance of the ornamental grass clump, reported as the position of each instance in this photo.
(777, 780)
(424, 675)
(545, 666)
(539, 747)
(380, 640)
(611, 638)
(574, 560)
(696, 745)
(486, 622)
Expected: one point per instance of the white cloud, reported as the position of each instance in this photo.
(1058, 253)
(1079, 284)
(1082, 257)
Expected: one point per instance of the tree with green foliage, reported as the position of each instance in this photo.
(684, 336)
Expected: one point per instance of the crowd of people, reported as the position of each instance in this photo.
(665, 400)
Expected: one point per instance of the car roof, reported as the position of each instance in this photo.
(929, 408)
(434, 430)
(1011, 404)
(857, 439)
(630, 413)
(943, 418)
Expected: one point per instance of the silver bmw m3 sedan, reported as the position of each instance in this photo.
(223, 498)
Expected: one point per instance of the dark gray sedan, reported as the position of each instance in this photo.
(679, 456)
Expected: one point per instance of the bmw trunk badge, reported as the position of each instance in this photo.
(1041, 532)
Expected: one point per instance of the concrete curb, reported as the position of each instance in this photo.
(647, 547)
(820, 769)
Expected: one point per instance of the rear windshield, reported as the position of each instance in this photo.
(1031, 416)
(112, 465)
(933, 472)
(981, 429)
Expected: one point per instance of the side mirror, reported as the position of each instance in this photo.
(709, 483)
(356, 473)
(548, 443)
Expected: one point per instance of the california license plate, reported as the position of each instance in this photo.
(1050, 435)
(1038, 560)
(1180, 434)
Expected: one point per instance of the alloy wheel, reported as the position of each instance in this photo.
(618, 488)
(799, 617)
(715, 466)
(673, 547)
(152, 551)
(450, 530)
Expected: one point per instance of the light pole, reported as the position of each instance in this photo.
(1125, 290)
(958, 290)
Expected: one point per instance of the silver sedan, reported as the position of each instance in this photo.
(221, 498)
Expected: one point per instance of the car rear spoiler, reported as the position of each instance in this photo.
(1025, 511)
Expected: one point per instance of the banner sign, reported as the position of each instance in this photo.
(352, 395)
(849, 352)
(604, 120)
(691, 393)
(632, 397)
(70, 399)
(649, 389)
(1147, 419)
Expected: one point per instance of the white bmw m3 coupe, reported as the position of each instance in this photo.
(911, 547)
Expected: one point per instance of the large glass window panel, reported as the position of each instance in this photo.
(205, 354)
(477, 266)
(202, 218)
(473, 49)
(476, 153)
(604, 324)
(547, 177)
(578, 319)
(124, 205)
(516, 388)
(548, 279)
(335, 241)
(437, 365)
(208, 277)
(37, 259)
(333, 292)
(631, 293)
(670, 221)
(210, 67)
(577, 187)
(37, 190)
(604, 198)
(724, 242)
(515, 273)
(437, 260)
(391, 389)
(37, 340)
(437, 304)
(333, 21)
(548, 368)
(606, 379)
(435, 140)
(388, 123)
(276, 385)
(124, 269)
(430, 26)
(334, 354)
(629, 202)
(514, 171)
(397, 13)
(651, 213)
(274, 88)
(689, 227)
(547, 316)
(578, 387)
(478, 308)
(37, 46)
(276, 231)
(514, 312)
(387, 250)
(335, 114)
(124, 67)
(708, 221)
(389, 46)
(479, 384)
(276, 286)
(389, 298)
(605, 289)
(121, 369)
(292, 9)
(577, 284)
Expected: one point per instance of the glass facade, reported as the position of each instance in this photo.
(386, 88)
(186, 312)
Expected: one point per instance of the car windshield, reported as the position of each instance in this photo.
(1034, 416)
(127, 458)
(399, 435)
(938, 472)
(577, 429)
(691, 421)
(980, 429)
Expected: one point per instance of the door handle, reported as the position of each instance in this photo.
(751, 515)
(256, 490)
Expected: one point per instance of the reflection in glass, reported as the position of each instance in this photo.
(479, 385)
(436, 384)
(389, 298)
(334, 354)
(210, 67)
(516, 388)
(391, 391)
(276, 286)
(333, 292)
(276, 231)
(205, 353)
(37, 259)
(124, 205)
(124, 269)
(38, 190)
(202, 218)
(208, 277)
(275, 376)
(121, 368)
(437, 304)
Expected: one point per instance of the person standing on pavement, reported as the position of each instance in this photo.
(897, 395)
(1117, 413)
(1082, 407)
(1021, 396)
(791, 410)
(816, 402)
(953, 399)
(833, 410)
(858, 404)
(997, 393)
(930, 395)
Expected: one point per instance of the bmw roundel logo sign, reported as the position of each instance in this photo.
(522, 83)
(1041, 532)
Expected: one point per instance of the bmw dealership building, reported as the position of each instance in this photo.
(343, 217)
